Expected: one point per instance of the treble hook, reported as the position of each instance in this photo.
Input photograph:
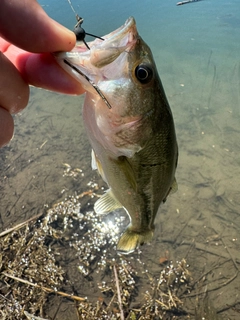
(80, 32)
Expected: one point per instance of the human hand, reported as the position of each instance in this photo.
(28, 36)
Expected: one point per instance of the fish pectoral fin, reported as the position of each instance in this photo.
(94, 161)
(106, 203)
(131, 240)
(126, 167)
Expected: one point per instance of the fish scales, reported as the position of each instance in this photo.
(130, 127)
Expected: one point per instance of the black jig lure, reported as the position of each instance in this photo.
(81, 33)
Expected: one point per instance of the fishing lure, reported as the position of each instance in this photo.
(78, 30)
(81, 33)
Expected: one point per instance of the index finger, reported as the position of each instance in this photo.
(25, 24)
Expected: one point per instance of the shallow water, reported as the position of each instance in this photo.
(196, 48)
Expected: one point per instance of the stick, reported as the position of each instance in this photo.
(206, 248)
(32, 317)
(44, 288)
(207, 272)
(43, 144)
(20, 194)
(213, 289)
(118, 293)
(230, 254)
(186, 1)
(20, 225)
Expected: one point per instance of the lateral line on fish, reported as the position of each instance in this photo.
(90, 81)
(150, 165)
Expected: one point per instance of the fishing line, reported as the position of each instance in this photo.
(90, 81)
(78, 30)
(80, 34)
(70, 3)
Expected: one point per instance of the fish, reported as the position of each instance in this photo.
(130, 127)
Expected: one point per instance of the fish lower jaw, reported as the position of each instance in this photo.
(131, 240)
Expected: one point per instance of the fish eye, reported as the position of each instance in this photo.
(144, 73)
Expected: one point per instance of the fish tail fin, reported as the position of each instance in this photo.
(130, 240)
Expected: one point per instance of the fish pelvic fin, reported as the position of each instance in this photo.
(107, 203)
(96, 165)
(131, 240)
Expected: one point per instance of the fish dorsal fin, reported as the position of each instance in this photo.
(106, 203)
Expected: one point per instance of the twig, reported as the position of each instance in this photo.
(118, 293)
(44, 288)
(43, 144)
(213, 289)
(12, 161)
(207, 272)
(206, 248)
(230, 254)
(163, 305)
(186, 1)
(190, 248)
(111, 301)
(178, 234)
(24, 189)
(227, 307)
(20, 225)
(32, 317)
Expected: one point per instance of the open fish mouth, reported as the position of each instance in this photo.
(115, 39)
(83, 64)
(102, 52)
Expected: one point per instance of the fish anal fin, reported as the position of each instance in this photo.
(173, 189)
(107, 203)
(131, 240)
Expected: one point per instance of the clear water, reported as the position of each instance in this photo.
(197, 51)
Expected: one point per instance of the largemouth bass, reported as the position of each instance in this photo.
(130, 127)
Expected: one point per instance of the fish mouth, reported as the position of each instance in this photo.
(102, 52)
(121, 37)
(84, 64)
